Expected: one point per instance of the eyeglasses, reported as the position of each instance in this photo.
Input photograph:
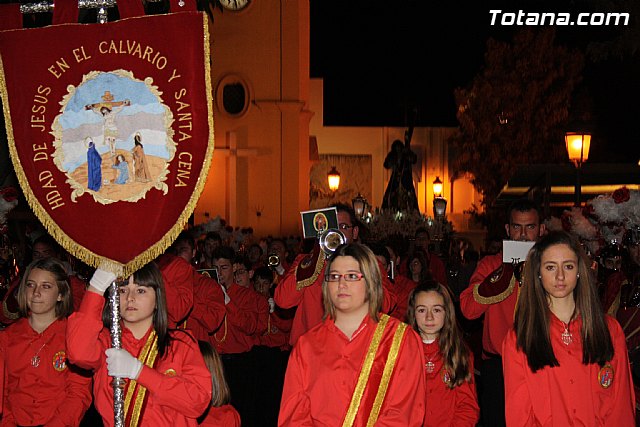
(348, 277)
(345, 226)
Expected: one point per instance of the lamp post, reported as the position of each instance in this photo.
(439, 207)
(360, 206)
(578, 144)
(334, 179)
(439, 202)
(439, 211)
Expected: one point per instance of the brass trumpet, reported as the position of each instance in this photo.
(330, 239)
(308, 270)
(273, 261)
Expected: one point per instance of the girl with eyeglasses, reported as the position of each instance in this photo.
(565, 362)
(357, 366)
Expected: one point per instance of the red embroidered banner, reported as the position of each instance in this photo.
(110, 130)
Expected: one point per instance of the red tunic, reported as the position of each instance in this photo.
(448, 407)
(177, 274)
(569, 394)
(78, 288)
(438, 270)
(178, 388)
(277, 334)
(627, 316)
(247, 318)
(498, 317)
(208, 307)
(222, 416)
(323, 370)
(611, 299)
(308, 300)
(402, 287)
(51, 393)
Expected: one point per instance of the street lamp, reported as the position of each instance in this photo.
(439, 211)
(439, 202)
(578, 144)
(360, 206)
(437, 187)
(334, 179)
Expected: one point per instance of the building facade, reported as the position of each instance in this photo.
(272, 150)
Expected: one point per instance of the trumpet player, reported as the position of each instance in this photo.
(277, 258)
(301, 285)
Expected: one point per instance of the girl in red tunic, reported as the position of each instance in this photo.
(166, 380)
(220, 412)
(358, 366)
(565, 362)
(40, 388)
(451, 392)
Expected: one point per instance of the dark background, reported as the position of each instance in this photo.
(377, 58)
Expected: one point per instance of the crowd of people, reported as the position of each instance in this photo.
(374, 332)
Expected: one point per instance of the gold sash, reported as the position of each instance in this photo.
(384, 348)
(133, 391)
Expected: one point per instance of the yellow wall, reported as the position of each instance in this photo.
(261, 157)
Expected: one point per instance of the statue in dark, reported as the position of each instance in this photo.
(400, 194)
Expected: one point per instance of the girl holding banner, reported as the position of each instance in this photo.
(357, 367)
(167, 382)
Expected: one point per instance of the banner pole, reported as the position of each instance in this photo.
(116, 342)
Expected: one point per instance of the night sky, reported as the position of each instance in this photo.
(378, 57)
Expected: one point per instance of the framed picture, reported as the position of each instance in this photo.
(316, 221)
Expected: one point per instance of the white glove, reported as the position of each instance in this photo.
(120, 363)
(226, 295)
(280, 270)
(272, 305)
(102, 279)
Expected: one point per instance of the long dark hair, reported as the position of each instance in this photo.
(221, 394)
(137, 140)
(532, 315)
(149, 276)
(454, 351)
